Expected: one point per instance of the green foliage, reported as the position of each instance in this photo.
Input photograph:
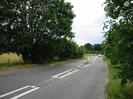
(114, 89)
(96, 48)
(37, 29)
(72, 50)
(88, 47)
(119, 37)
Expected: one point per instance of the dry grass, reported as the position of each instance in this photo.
(10, 58)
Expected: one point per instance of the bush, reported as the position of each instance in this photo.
(71, 50)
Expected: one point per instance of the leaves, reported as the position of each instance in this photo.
(119, 37)
(33, 27)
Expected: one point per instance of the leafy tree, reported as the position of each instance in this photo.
(71, 50)
(31, 27)
(119, 37)
(88, 47)
(97, 47)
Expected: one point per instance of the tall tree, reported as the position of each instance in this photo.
(88, 46)
(119, 37)
(97, 47)
(30, 27)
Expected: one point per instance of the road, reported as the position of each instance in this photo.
(75, 80)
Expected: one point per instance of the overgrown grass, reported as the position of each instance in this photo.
(10, 59)
(114, 89)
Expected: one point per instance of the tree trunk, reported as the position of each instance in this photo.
(26, 57)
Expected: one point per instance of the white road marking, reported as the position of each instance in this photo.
(9, 93)
(33, 86)
(69, 73)
(25, 93)
(56, 76)
(86, 66)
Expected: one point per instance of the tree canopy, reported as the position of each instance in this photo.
(95, 48)
(88, 46)
(36, 29)
(119, 37)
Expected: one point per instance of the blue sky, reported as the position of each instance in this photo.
(88, 23)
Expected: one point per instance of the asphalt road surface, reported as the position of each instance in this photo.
(75, 80)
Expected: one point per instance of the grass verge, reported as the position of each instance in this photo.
(5, 64)
(114, 89)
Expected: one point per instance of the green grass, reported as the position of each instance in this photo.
(114, 89)
(6, 64)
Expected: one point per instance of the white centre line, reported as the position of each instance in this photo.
(56, 76)
(25, 93)
(9, 93)
(86, 66)
(69, 73)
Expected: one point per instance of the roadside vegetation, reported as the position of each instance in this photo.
(16, 62)
(93, 49)
(118, 48)
(114, 89)
(10, 59)
(38, 30)
(119, 37)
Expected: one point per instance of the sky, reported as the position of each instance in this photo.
(88, 23)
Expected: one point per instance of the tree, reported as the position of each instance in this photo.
(88, 47)
(31, 27)
(119, 37)
(71, 50)
(97, 47)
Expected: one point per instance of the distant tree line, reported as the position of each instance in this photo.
(96, 48)
(38, 29)
(119, 37)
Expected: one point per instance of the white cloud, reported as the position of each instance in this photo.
(88, 22)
